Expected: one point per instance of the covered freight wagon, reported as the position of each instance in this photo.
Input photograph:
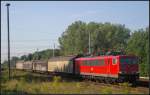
(27, 65)
(19, 65)
(40, 65)
(61, 64)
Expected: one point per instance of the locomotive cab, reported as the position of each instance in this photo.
(128, 68)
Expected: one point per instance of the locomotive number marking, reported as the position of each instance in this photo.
(91, 68)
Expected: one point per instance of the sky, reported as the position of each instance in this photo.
(37, 25)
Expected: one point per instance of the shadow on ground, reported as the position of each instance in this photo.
(143, 83)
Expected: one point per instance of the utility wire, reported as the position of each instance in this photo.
(32, 40)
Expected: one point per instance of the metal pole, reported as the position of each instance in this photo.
(8, 37)
(89, 44)
(37, 54)
(54, 50)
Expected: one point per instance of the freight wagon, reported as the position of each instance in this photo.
(19, 65)
(27, 65)
(24, 65)
(61, 64)
(40, 66)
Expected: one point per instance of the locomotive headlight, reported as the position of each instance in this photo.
(120, 72)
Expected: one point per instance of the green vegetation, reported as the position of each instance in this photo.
(32, 83)
(103, 36)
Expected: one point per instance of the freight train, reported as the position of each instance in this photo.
(118, 68)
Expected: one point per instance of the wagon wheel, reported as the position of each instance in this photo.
(100, 80)
(134, 83)
(103, 80)
(113, 81)
(120, 80)
(107, 81)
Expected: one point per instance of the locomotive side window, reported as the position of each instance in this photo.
(114, 61)
(93, 62)
(86, 63)
(128, 60)
(101, 62)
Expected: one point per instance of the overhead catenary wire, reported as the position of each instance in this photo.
(32, 40)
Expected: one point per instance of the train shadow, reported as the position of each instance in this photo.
(141, 83)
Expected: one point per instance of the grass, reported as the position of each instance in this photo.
(29, 83)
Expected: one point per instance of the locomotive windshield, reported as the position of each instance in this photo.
(129, 60)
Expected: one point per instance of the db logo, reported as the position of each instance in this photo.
(91, 69)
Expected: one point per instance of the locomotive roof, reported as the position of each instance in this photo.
(106, 56)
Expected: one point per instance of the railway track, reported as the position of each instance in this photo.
(140, 83)
(143, 82)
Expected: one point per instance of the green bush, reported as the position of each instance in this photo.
(126, 88)
(56, 82)
(56, 79)
(106, 90)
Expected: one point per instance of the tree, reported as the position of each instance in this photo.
(30, 57)
(138, 45)
(13, 61)
(4, 65)
(23, 57)
(76, 37)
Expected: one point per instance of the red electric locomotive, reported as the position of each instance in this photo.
(118, 68)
